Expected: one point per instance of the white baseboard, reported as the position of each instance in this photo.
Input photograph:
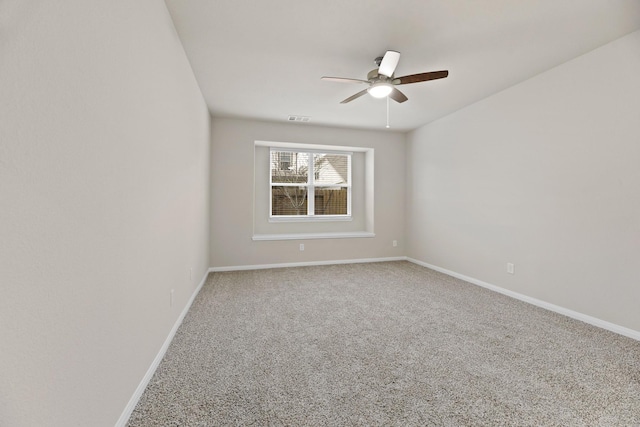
(122, 421)
(305, 264)
(539, 303)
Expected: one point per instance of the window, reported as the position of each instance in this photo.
(284, 160)
(310, 184)
(312, 191)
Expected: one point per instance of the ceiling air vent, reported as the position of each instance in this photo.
(303, 119)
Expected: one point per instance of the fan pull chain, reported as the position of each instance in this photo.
(387, 112)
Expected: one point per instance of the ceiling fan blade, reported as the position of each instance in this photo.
(397, 96)
(343, 80)
(352, 97)
(389, 63)
(422, 77)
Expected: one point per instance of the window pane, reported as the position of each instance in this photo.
(330, 201)
(331, 169)
(287, 167)
(288, 200)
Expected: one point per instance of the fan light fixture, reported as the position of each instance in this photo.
(380, 90)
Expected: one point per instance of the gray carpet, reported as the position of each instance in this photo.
(391, 344)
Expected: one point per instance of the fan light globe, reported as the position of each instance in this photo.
(380, 90)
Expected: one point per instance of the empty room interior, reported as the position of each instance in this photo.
(319, 213)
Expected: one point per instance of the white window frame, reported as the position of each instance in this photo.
(311, 186)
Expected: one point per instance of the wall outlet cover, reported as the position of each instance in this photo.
(510, 268)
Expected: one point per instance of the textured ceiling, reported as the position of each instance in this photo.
(264, 59)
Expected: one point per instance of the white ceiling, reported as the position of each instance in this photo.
(263, 59)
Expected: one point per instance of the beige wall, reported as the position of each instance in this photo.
(232, 186)
(544, 175)
(104, 176)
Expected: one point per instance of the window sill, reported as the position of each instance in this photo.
(308, 236)
(315, 218)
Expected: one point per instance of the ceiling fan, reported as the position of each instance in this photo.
(382, 82)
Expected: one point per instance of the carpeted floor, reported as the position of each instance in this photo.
(391, 344)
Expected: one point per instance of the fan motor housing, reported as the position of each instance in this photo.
(374, 76)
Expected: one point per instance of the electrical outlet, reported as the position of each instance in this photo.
(301, 246)
(395, 243)
(510, 268)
